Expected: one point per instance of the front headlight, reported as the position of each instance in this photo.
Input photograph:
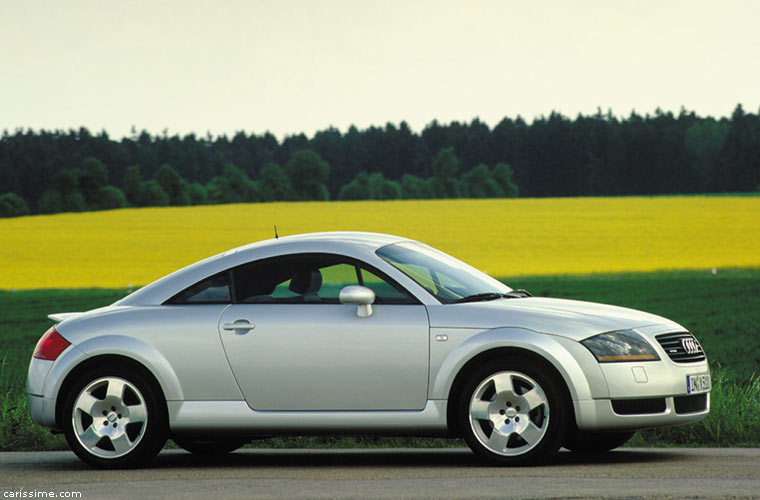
(619, 346)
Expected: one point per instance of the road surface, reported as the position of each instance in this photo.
(389, 473)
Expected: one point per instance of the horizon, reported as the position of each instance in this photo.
(297, 67)
(136, 132)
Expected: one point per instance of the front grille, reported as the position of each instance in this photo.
(681, 347)
(690, 404)
(638, 406)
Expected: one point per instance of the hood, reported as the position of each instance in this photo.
(568, 318)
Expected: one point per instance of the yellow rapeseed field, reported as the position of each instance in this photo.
(504, 237)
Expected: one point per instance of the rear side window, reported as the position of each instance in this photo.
(213, 290)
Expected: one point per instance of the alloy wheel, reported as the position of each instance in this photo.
(109, 417)
(509, 413)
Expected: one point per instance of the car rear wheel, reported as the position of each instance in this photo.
(596, 442)
(114, 418)
(513, 414)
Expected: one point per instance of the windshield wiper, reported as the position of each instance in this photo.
(478, 297)
(481, 297)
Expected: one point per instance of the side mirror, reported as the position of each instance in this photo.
(359, 295)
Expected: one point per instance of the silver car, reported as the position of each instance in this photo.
(357, 333)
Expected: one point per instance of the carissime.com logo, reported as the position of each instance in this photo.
(22, 493)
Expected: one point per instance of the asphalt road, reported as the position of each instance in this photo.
(625, 473)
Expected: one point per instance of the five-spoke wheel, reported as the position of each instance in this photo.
(512, 413)
(110, 417)
(113, 418)
(509, 413)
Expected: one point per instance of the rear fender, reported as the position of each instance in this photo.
(116, 345)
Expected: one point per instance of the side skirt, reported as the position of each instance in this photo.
(237, 417)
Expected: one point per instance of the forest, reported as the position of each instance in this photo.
(554, 156)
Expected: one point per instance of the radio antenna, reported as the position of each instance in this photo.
(276, 236)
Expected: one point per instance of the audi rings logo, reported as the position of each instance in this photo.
(690, 346)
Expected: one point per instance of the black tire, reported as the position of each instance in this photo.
(523, 408)
(114, 417)
(596, 442)
(201, 446)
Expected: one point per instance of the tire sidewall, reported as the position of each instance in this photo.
(156, 424)
(558, 411)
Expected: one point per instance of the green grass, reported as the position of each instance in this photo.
(722, 310)
(23, 320)
(734, 418)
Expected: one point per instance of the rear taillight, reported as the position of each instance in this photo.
(51, 345)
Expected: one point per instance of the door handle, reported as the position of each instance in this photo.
(239, 326)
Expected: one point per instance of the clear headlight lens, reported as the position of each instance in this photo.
(620, 346)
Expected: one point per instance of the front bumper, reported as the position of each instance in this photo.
(608, 414)
(645, 394)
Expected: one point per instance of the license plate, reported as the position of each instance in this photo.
(698, 383)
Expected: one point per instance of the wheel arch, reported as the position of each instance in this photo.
(488, 356)
(561, 358)
(106, 361)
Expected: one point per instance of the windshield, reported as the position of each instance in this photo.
(445, 277)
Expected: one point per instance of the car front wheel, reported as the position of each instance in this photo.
(114, 418)
(512, 413)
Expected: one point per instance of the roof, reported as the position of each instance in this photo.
(339, 242)
(356, 237)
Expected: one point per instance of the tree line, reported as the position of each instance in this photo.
(597, 155)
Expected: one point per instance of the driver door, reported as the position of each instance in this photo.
(293, 346)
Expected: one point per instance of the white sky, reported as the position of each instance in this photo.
(300, 66)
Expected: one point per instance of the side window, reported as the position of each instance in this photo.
(309, 279)
(335, 278)
(385, 293)
(293, 279)
(213, 290)
(311, 283)
(267, 281)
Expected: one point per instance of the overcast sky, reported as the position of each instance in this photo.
(301, 66)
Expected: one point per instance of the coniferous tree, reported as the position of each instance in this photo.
(56, 171)
(740, 157)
